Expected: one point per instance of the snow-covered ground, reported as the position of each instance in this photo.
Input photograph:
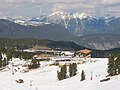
(46, 78)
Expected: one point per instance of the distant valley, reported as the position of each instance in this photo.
(99, 41)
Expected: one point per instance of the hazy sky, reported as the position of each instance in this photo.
(31, 8)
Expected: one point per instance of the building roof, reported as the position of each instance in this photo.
(85, 51)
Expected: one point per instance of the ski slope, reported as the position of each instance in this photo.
(46, 78)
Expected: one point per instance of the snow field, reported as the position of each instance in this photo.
(45, 78)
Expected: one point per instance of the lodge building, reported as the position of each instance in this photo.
(85, 53)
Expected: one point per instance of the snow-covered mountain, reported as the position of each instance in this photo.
(71, 21)
(81, 23)
(77, 23)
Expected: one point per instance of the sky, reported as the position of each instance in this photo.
(34, 8)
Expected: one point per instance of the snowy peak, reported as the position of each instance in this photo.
(19, 21)
(57, 13)
(69, 15)
(80, 16)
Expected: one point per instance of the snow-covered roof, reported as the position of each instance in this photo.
(17, 61)
(85, 51)
(67, 52)
(60, 58)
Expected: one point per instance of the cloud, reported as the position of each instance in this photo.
(110, 1)
(39, 7)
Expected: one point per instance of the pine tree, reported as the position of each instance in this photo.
(82, 75)
(27, 55)
(72, 69)
(116, 61)
(59, 75)
(62, 74)
(0, 60)
(114, 64)
(9, 54)
(111, 65)
(0, 63)
(4, 62)
(34, 64)
(64, 71)
(119, 64)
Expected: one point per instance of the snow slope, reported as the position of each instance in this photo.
(46, 79)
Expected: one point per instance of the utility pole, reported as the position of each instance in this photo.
(31, 82)
(12, 69)
(91, 76)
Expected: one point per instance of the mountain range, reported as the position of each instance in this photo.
(99, 41)
(54, 32)
(100, 33)
(77, 23)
